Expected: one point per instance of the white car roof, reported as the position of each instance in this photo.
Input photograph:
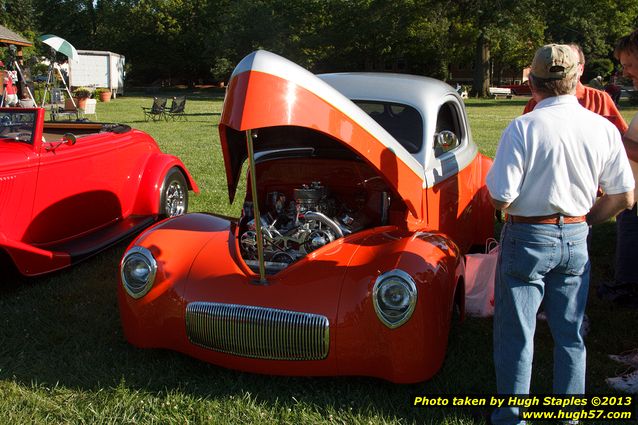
(411, 90)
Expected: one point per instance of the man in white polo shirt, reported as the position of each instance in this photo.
(546, 173)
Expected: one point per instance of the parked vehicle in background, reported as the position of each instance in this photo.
(521, 89)
(70, 189)
(364, 192)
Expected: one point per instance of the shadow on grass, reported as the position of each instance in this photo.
(206, 114)
(191, 94)
(494, 103)
(65, 329)
(188, 116)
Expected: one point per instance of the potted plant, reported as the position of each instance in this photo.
(81, 94)
(104, 94)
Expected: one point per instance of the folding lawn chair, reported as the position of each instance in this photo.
(157, 110)
(176, 111)
(58, 113)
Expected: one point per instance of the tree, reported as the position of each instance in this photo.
(18, 16)
(294, 30)
(172, 40)
(506, 30)
(188, 40)
(595, 25)
(405, 35)
(68, 19)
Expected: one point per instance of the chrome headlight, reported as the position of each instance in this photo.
(394, 297)
(138, 270)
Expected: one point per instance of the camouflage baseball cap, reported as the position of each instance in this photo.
(554, 62)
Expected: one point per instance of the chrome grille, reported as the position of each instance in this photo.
(258, 332)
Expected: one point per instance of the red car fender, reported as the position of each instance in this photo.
(151, 181)
(32, 261)
(157, 317)
(366, 346)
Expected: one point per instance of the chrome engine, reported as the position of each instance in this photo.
(292, 229)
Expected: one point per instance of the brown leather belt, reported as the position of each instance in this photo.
(547, 219)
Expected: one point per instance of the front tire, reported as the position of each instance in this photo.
(174, 194)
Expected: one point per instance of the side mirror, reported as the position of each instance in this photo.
(69, 139)
(446, 140)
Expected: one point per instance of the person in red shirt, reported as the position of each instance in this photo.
(9, 90)
(595, 100)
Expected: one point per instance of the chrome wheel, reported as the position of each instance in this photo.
(174, 197)
(175, 200)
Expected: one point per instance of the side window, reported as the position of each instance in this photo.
(403, 122)
(448, 134)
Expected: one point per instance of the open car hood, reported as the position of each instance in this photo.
(266, 90)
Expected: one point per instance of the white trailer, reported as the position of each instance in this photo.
(96, 68)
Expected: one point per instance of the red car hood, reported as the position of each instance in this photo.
(266, 90)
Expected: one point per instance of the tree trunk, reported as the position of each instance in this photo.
(90, 6)
(482, 67)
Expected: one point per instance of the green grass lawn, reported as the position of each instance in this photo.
(63, 357)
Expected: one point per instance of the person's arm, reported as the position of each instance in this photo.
(631, 147)
(506, 173)
(608, 206)
(499, 205)
(611, 112)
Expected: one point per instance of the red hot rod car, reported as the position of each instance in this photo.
(364, 191)
(69, 189)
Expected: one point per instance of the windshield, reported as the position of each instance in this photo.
(17, 125)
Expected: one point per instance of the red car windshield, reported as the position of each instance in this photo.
(17, 125)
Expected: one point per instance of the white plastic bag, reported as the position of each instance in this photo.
(480, 272)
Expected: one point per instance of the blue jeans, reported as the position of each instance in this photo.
(627, 247)
(539, 263)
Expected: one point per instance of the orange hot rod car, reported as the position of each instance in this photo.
(364, 192)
